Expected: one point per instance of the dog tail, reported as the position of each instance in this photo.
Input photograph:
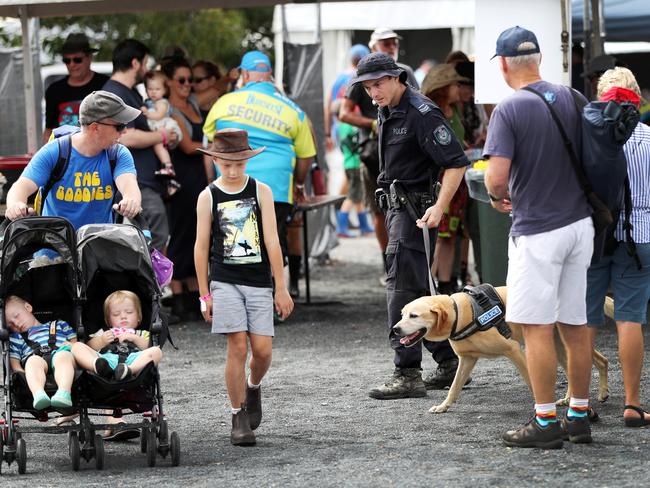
(609, 307)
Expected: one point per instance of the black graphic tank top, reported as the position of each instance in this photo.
(238, 254)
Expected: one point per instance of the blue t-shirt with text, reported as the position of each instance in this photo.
(85, 193)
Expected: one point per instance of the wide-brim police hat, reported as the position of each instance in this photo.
(377, 65)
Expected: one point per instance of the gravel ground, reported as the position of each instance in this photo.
(320, 428)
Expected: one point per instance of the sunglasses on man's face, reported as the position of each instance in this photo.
(182, 80)
(199, 79)
(118, 127)
(75, 60)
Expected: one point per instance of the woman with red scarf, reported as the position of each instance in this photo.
(631, 286)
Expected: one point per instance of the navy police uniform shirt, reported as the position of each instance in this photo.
(415, 141)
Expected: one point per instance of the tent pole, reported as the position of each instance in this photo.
(28, 78)
(596, 39)
(586, 55)
(318, 23)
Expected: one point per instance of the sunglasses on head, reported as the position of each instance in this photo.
(75, 60)
(182, 80)
(118, 127)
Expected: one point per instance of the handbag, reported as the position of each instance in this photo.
(163, 267)
(602, 216)
(318, 180)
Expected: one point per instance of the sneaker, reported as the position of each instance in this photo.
(444, 375)
(534, 435)
(102, 368)
(576, 430)
(41, 400)
(253, 406)
(122, 372)
(61, 400)
(241, 433)
(405, 383)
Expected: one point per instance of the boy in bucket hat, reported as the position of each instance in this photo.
(237, 235)
(415, 143)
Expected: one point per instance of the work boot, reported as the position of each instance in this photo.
(405, 383)
(443, 376)
(241, 433)
(534, 435)
(576, 429)
(253, 406)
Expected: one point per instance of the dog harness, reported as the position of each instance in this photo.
(487, 311)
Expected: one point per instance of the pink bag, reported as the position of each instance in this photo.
(162, 266)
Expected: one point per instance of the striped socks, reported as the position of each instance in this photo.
(578, 408)
(545, 413)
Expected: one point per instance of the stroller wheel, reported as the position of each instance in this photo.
(175, 449)
(143, 436)
(151, 447)
(163, 435)
(75, 452)
(2, 455)
(21, 456)
(99, 452)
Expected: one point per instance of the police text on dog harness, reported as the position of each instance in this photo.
(487, 311)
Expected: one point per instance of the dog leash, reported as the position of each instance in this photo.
(427, 251)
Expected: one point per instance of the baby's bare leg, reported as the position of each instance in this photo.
(148, 355)
(35, 371)
(63, 363)
(85, 356)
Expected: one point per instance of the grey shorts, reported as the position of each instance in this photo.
(240, 308)
(154, 212)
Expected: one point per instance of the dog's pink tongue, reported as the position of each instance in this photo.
(408, 338)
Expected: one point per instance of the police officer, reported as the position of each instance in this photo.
(415, 141)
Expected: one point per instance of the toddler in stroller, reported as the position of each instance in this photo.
(120, 350)
(36, 348)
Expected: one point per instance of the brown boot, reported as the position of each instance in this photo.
(253, 406)
(241, 433)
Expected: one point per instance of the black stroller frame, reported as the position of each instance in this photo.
(86, 274)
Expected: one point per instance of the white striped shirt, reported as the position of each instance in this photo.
(637, 153)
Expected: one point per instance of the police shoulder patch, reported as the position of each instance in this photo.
(442, 135)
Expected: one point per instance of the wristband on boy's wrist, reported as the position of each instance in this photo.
(205, 298)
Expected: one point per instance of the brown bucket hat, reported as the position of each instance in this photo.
(231, 144)
(439, 76)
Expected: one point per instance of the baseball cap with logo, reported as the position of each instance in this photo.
(509, 41)
(100, 105)
(255, 61)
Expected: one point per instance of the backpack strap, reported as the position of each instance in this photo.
(61, 166)
(582, 177)
(627, 226)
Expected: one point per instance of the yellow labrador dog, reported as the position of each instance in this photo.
(433, 318)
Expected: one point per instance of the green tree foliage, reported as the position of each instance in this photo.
(220, 35)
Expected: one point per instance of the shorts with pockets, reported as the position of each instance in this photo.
(547, 275)
(241, 308)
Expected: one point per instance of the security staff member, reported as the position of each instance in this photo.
(415, 141)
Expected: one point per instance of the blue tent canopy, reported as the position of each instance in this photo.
(625, 20)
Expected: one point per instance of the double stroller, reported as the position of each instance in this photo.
(87, 267)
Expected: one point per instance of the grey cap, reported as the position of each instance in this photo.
(100, 105)
(377, 65)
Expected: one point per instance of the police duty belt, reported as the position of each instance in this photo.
(487, 311)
